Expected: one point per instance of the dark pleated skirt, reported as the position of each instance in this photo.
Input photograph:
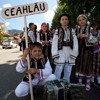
(84, 62)
(96, 64)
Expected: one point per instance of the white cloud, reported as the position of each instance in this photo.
(7, 5)
(49, 15)
(7, 23)
(54, 7)
(0, 9)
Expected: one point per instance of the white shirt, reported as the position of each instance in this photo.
(32, 36)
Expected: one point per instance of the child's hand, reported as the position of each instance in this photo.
(78, 35)
(82, 36)
(26, 52)
(47, 43)
(43, 42)
(33, 71)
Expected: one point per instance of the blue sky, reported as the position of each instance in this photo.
(18, 23)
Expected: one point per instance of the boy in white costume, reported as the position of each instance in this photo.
(64, 48)
(32, 33)
(40, 70)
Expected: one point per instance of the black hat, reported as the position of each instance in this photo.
(64, 15)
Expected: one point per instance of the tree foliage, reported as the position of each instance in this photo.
(1, 34)
(13, 31)
(76, 7)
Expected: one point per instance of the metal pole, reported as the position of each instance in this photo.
(28, 60)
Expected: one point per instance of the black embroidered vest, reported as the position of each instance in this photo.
(61, 38)
(34, 32)
(86, 31)
(40, 65)
(42, 36)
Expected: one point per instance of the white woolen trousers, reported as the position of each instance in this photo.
(67, 71)
(23, 88)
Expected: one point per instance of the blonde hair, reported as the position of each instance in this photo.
(82, 15)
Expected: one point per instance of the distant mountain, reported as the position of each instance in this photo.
(14, 31)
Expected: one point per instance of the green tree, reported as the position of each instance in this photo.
(1, 34)
(76, 7)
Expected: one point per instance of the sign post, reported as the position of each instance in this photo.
(25, 10)
(28, 59)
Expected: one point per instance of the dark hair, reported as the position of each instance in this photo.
(35, 44)
(35, 27)
(67, 15)
(26, 28)
(94, 23)
(30, 24)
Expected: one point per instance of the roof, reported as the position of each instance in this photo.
(16, 37)
(6, 35)
(2, 24)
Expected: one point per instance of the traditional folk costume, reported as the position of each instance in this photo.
(96, 54)
(37, 79)
(84, 61)
(64, 51)
(46, 48)
(32, 36)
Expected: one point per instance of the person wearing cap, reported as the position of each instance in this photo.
(64, 48)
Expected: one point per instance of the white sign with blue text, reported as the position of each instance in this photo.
(24, 10)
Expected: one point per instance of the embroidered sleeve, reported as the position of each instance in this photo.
(41, 74)
(74, 51)
(31, 35)
(55, 45)
(21, 67)
(38, 38)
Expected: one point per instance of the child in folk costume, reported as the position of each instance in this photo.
(23, 38)
(44, 37)
(64, 48)
(20, 42)
(32, 33)
(84, 63)
(40, 70)
(95, 38)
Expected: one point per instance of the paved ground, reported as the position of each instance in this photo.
(9, 78)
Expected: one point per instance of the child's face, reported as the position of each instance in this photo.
(32, 27)
(64, 21)
(95, 27)
(82, 21)
(36, 52)
(44, 28)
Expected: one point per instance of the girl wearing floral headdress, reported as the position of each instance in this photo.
(84, 61)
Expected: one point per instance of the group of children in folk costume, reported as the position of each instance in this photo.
(68, 48)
